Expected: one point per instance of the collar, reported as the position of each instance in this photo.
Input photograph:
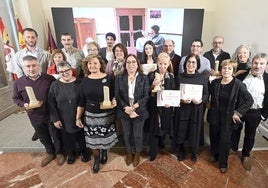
(38, 76)
(259, 76)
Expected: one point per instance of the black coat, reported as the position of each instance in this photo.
(141, 95)
(165, 114)
(240, 101)
(222, 56)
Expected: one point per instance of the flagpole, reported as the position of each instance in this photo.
(14, 31)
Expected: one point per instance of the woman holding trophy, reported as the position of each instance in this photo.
(98, 123)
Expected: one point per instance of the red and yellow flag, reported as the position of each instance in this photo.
(21, 40)
(5, 37)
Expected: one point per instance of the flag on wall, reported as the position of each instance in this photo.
(21, 40)
(51, 44)
(5, 37)
(9, 52)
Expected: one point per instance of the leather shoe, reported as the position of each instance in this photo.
(136, 159)
(60, 159)
(70, 159)
(96, 165)
(34, 137)
(223, 170)
(246, 163)
(47, 159)
(104, 157)
(180, 156)
(129, 158)
(84, 157)
(193, 157)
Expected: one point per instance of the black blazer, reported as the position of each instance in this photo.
(222, 56)
(141, 95)
(102, 53)
(264, 112)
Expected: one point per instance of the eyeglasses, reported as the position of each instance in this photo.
(65, 71)
(191, 62)
(133, 62)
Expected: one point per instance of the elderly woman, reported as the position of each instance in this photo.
(93, 48)
(63, 98)
(160, 120)
(98, 123)
(243, 57)
(115, 67)
(189, 116)
(132, 94)
(230, 100)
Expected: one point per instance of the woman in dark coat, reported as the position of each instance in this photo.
(189, 115)
(160, 120)
(230, 100)
(132, 94)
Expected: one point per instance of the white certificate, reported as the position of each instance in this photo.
(191, 91)
(168, 97)
(147, 68)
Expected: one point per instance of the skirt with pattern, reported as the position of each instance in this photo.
(100, 130)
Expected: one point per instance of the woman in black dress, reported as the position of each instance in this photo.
(99, 124)
(189, 115)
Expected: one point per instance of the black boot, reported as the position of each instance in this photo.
(180, 153)
(104, 157)
(96, 165)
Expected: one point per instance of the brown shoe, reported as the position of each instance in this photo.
(136, 160)
(129, 158)
(232, 152)
(47, 159)
(60, 159)
(246, 163)
(212, 159)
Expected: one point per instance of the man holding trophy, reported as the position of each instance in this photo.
(30, 91)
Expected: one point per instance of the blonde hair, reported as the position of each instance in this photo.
(165, 56)
(231, 62)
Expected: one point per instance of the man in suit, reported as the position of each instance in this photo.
(107, 52)
(257, 84)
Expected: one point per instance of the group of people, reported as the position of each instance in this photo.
(72, 86)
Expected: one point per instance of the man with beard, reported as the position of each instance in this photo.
(43, 57)
(107, 52)
(30, 36)
(74, 56)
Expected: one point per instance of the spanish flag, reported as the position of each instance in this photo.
(5, 37)
(21, 40)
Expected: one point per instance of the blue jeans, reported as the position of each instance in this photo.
(133, 127)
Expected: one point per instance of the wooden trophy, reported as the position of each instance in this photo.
(34, 103)
(157, 87)
(106, 104)
(217, 72)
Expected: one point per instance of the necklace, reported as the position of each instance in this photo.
(68, 89)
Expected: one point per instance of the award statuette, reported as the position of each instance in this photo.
(157, 87)
(106, 104)
(217, 72)
(34, 103)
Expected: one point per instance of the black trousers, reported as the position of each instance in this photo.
(71, 139)
(220, 138)
(56, 138)
(42, 129)
(252, 120)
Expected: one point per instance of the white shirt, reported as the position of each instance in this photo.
(256, 88)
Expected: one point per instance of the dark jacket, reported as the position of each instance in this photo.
(222, 56)
(264, 111)
(102, 53)
(141, 95)
(240, 100)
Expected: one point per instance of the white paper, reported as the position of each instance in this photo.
(191, 91)
(168, 97)
(147, 68)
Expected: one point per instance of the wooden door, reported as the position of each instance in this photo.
(129, 22)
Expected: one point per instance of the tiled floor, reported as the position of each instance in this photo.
(20, 166)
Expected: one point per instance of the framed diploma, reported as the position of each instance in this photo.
(168, 97)
(147, 68)
(191, 91)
